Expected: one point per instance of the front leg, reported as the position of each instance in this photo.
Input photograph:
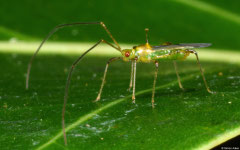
(134, 80)
(131, 77)
(104, 77)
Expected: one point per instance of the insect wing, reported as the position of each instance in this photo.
(181, 46)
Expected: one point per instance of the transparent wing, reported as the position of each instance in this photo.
(181, 46)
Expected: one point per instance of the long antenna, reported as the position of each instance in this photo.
(146, 30)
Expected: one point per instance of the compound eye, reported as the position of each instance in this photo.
(127, 54)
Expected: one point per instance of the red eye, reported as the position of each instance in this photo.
(127, 54)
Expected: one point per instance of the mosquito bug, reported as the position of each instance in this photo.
(142, 53)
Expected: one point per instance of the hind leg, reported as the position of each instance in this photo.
(201, 70)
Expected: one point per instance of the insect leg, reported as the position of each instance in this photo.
(117, 47)
(178, 77)
(154, 82)
(134, 80)
(68, 83)
(131, 77)
(201, 70)
(104, 76)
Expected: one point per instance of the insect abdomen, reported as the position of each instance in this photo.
(170, 55)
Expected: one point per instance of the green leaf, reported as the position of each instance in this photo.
(194, 119)
(176, 21)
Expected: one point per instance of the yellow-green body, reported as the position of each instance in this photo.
(145, 53)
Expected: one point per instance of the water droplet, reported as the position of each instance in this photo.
(233, 77)
(121, 96)
(220, 74)
(128, 111)
(35, 142)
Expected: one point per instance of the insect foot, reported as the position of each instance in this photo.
(129, 89)
(133, 99)
(211, 92)
(153, 105)
(97, 99)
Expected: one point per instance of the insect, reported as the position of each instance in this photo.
(142, 53)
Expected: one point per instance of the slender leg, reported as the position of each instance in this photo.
(117, 47)
(201, 70)
(178, 77)
(68, 84)
(104, 77)
(154, 83)
(131, 77)
(134, 80)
